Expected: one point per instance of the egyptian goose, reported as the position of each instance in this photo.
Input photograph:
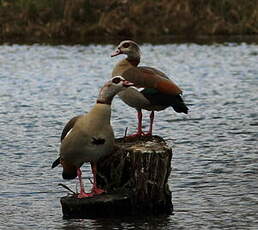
(88, 137)
(158, 92)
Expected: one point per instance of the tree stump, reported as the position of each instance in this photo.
(135, 177)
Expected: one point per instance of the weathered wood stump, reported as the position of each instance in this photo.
(135, 177)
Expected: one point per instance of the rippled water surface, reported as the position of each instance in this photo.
(215, 162)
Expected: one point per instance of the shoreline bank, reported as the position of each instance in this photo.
(98, 21)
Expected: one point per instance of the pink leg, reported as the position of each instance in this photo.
(95, 190)
(139, 129)
(151, 124)
(82, 193)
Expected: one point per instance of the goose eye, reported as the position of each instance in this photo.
(116, 80)
(126, 45)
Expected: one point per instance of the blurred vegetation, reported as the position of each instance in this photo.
(85, 19)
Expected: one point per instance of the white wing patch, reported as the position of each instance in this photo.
(138, 89)
(68, 133)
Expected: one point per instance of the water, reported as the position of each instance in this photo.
(215, 162)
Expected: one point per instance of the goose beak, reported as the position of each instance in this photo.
(116, 52)
(127, 83)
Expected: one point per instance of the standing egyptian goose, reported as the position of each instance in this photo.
(88, 137)
(158, 92)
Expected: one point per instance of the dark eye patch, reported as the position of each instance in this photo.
(126, 45)
(116, 80)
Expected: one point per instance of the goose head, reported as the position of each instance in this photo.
(111, 88)
(129, 48)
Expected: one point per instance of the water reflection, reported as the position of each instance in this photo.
(150, 223)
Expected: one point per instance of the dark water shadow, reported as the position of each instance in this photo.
(128, 222)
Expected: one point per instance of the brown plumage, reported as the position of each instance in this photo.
(158, 93)
(88, 137)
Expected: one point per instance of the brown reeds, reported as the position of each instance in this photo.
(83, 19)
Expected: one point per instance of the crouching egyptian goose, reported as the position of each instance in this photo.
(158, 92)
(88, 137)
